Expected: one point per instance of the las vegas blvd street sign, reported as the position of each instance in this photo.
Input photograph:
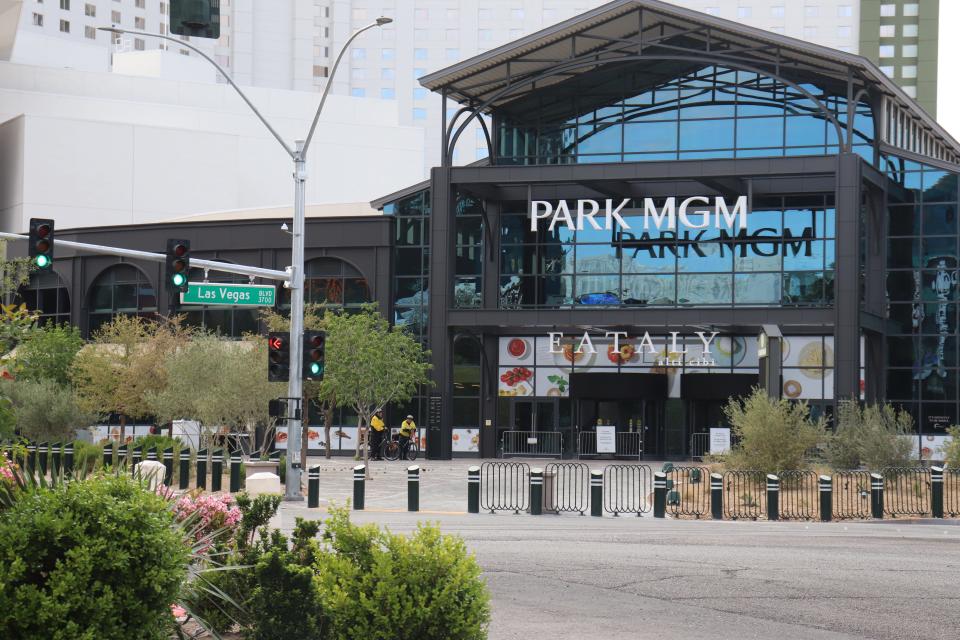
(234, 295)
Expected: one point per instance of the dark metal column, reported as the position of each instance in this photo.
(440, 290)
(846, 285)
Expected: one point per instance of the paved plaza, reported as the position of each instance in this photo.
(574, 576)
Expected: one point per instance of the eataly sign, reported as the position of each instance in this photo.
(674, 352)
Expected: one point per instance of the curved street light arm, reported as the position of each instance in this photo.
(286, 147)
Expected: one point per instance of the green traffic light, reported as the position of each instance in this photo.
(42, 261)
(179, 279)
(316, 368)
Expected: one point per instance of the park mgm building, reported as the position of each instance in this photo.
(675, 209)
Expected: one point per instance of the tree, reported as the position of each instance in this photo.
(370, 364)
(44, 410)
(48, 353)
(218, 382)
(871, 435)
(124, 364)
(16, 323)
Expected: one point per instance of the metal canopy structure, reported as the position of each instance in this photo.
(634, 31)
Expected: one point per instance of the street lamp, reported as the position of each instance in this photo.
(298, 153)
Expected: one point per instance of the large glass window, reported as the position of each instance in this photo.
(466, 381)
(333, 283)
(47, 294)
(412, 255)
(784, 257)
(121, 289)
(468, 272)
(714, 112)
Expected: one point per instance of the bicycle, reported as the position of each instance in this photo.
(390, 449)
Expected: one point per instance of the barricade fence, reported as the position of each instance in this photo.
(699, 445)
(566, 487)
(799, 495)
(851, 495)
(744, 494)
(906, 491)
(627, 488)
(951, 492)
(548, 444)
(628, 445)
(688, 491)
(504, 486)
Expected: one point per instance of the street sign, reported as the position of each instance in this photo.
(233, 295)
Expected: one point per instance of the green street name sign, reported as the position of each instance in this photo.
(233, 295)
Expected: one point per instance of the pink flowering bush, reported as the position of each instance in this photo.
(7, 470)
(213, 514)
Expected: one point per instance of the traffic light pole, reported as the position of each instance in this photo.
(295, 277)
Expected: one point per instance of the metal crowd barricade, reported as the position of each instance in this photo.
(505, 486)
(799, 495)
(530, 444)
(688, 491)
(566, 487)
(629, 445)
(626, 488)
(906, 491)
(951, 492)
(744, 494)
(851, 495)
(699, 445)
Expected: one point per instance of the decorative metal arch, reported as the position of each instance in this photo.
(451, 142)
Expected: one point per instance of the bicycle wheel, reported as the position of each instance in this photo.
(412, 451)
(390, 450)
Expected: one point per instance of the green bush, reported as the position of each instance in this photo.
(97, 559)
(86, 457)
(775, 435)
(870, 436)
(383, 586)
(951, 450)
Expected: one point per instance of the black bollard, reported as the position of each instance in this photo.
(716, 496)
(68, 458)
(826, 498)
(235, 462)
(473, 490)
(216, 471)
(31, 462)
(107, 454)
(359, 480)
(936, 492)
(536, 492)
(121, 458)
(136, 458)
(202, 469)
(42, 449)
(55, 458)
(596, 493)
(413, 488)
(659, 494)
(773, 497)
(876, 495)
(184, 475)
(152, 454)
(313, 487)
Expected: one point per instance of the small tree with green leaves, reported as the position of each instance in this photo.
(370, 364)
(774, 435)
(951, 450)
(48, 353)
(870, 436)
(45, 410)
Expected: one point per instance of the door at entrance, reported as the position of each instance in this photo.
(533, 415)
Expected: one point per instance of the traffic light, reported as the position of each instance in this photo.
(278, 356)
(41, 243)
(197, 18)
(314, 347)
(178, 265)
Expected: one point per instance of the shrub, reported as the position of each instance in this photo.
(951, 450)
(86, 457)
(383, 586)
(44, 409)
(216, 515)
(870, 436)
(96, 559)
(775, 435)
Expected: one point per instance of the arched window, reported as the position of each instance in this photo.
(121, 289)
(227, 321)
(47, 294)
(332, 282)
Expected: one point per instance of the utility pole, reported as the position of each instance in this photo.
(299, 156)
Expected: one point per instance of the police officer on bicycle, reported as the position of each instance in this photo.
(408, 430)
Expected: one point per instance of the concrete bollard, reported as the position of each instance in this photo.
(936, 492)
(716, 496)
(659, 494)
(536, 492)
(135, 459)
(876, 495)
(68, 458)
(313, 487)
(359, 486)
(826, 498)
(473, 490)
(168, 466)
(202, 469)
(235, 462)
(42, 449)
(413, 488)
(773, 497)
(216, 471)
(184, 475)
(596, 493)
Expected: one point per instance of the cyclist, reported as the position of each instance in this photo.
(408, 430)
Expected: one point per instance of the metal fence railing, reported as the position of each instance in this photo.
(906, 491)
(628, 445)
(504, 486)
(688, 491)
(566, 487)
(744, 494)
(529, 444)
(951, 492)
(799, 495)
(851, 495)
(627, 488)
(699, 445)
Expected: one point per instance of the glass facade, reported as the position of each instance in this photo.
(784, 257)
(333, 283)
(120, 289)
(468, 269)
(714, 112)
(411, 262)
(922, 277)
(47, 294)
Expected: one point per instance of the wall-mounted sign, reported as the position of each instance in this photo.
(606, 438)
(719, 440)
(719, 216)
(584, 344)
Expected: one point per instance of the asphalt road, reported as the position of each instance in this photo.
(580, 577)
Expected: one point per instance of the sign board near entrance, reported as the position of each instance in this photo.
(606, 439)
(719, 440)
(233, 295)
